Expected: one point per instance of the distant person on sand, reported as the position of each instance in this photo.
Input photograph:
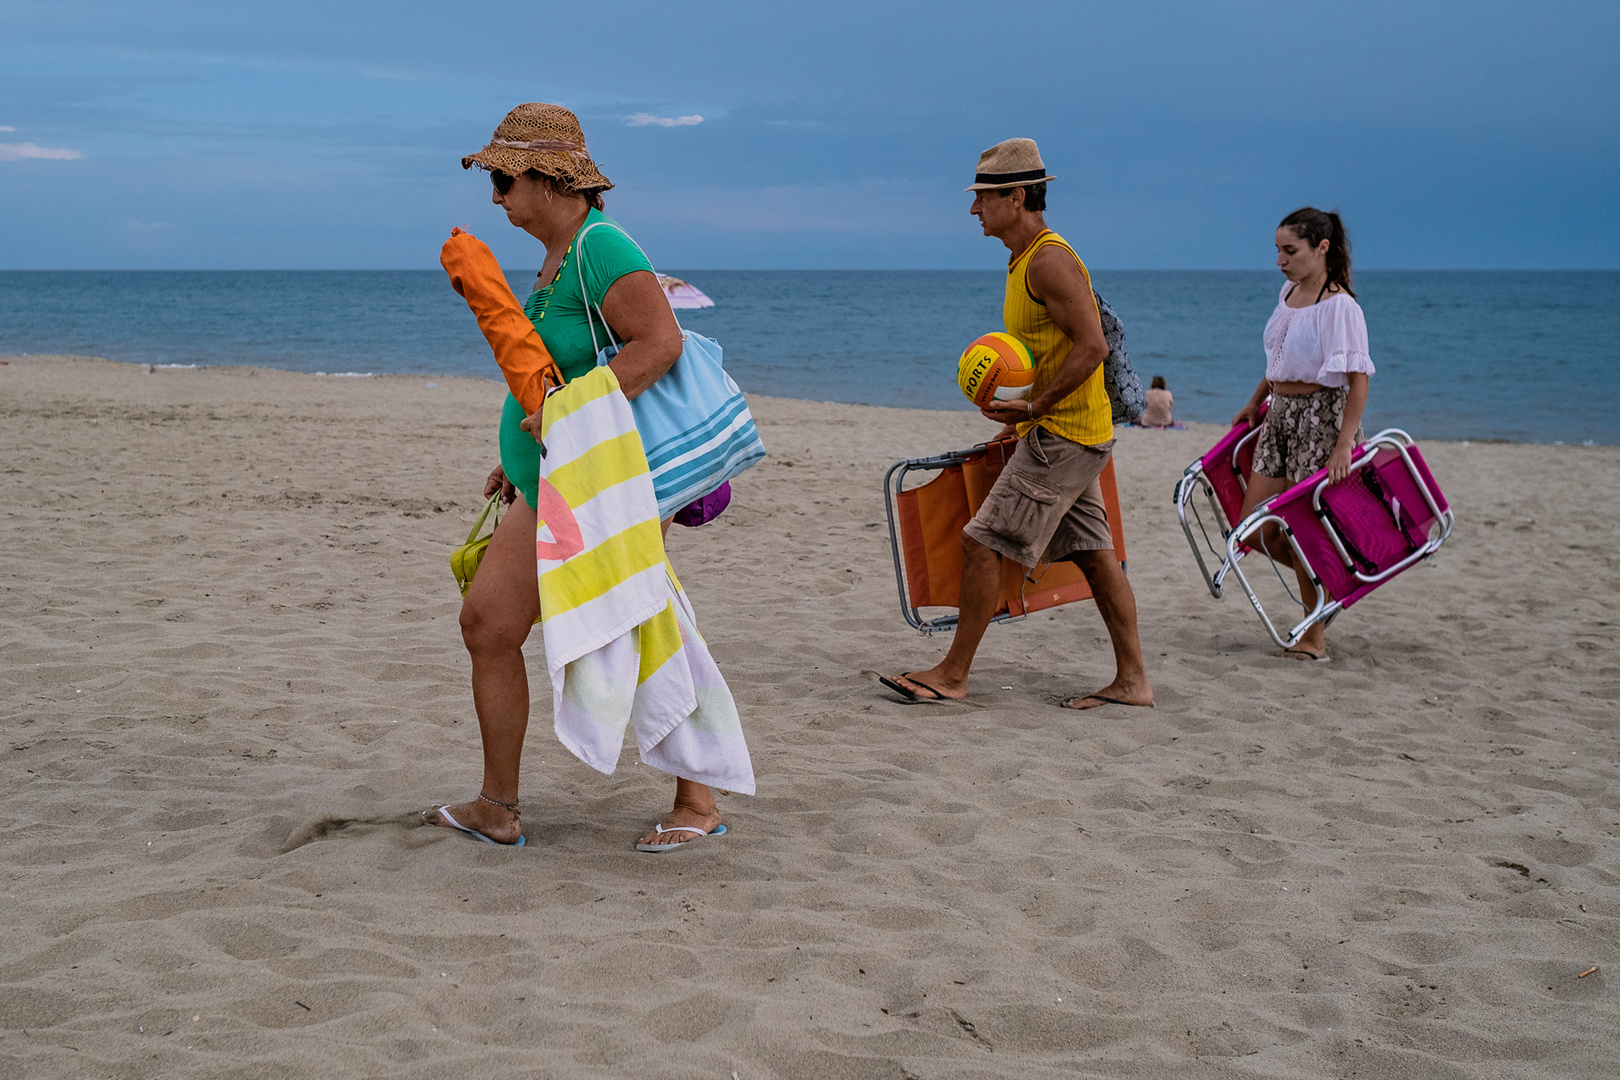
(1156, 411)
(545, 180)
(1317, 372)
(1047, 503)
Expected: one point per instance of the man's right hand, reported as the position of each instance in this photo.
(497, 481)
(1010, 413)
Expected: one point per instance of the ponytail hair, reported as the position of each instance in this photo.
(1313, 226)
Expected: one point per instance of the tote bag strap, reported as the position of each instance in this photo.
(492, 503)
(579, 263)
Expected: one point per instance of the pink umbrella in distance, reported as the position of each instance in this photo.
(683, 294)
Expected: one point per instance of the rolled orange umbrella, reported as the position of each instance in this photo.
(474, 273)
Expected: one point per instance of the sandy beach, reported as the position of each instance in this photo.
(231, 674)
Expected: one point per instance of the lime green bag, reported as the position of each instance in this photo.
(465, 559)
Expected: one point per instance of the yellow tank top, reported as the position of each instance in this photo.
(1085, 416)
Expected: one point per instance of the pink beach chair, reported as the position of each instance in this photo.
(1221, 477)
(1351, 537)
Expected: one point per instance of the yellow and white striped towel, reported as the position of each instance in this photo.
(621, 641)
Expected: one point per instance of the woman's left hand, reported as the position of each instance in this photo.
(1338, 464)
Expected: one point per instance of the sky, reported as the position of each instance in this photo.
(327, 135)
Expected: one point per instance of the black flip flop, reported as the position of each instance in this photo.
(911, 695)
(1064, 704)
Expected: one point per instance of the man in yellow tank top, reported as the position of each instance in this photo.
(1047, 504)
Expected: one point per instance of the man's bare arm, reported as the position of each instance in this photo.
(1056, 279)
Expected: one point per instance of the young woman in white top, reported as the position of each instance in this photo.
(1317, 369)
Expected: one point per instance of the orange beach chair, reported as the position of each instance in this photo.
(925, 537)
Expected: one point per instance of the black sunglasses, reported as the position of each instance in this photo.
(503, 181)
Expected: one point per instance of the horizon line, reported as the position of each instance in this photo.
(812, 270)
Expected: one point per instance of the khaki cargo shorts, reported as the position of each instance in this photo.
(1046, 504)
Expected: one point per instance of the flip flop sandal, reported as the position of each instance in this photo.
(659, 829)
(444, 812)
(1098, 697)
(911, 695)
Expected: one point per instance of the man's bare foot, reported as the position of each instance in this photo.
(930, 685)
(1115, 693)
(496, 822)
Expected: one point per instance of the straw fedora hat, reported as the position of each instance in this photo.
(1013, 163)
(546, 138)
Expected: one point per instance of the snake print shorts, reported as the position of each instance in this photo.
(1299, 433)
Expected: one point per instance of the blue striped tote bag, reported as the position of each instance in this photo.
(694, 422)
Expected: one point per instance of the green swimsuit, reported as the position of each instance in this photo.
(558, 312)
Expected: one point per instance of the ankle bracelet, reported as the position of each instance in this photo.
(512, 806)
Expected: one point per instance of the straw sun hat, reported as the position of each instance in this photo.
(546, 138)
(1013, 163)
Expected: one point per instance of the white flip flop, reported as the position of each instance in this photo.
(659, 828)
(444, 812)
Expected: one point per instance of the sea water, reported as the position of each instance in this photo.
(1523, 356)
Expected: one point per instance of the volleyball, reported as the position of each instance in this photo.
(996, 367)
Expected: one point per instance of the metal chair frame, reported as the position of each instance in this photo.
(893, 482)
(1194, 481)
(1326, 610)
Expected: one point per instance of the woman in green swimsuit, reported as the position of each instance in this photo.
(550, 188)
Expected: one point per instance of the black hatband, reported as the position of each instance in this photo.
(1008, 177)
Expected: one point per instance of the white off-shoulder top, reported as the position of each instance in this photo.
(1319, 344)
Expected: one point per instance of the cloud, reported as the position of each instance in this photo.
(18, 151)
(642, 119)
(145, 228)
(3, 127)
